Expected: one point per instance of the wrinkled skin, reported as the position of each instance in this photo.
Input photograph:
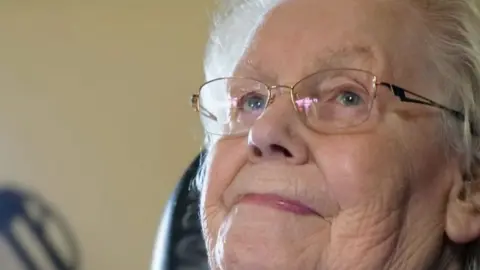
(383, 191)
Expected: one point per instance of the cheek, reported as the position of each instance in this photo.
(360, 168)
(224, 161)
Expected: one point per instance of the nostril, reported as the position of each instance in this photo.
(275, 148)
(257, 152)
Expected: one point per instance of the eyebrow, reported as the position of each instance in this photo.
(344, 57)
(336, 58)
(256, 71)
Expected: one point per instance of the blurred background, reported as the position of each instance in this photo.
(95, 114)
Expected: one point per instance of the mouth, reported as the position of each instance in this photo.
(279, 203)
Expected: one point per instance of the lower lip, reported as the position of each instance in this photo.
(279, 203)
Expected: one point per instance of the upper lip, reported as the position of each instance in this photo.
(302, 186)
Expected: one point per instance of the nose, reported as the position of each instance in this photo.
(273, 136)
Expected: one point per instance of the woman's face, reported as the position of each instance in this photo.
(286, 197)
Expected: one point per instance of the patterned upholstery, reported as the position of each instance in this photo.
(33, 236)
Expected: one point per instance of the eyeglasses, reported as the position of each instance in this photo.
(327, 101)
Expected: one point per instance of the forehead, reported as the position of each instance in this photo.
(302, 36)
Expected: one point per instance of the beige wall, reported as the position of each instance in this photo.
(94, 113)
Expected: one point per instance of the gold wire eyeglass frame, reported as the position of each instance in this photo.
(397, 91)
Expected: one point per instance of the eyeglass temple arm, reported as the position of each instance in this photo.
(199, 108)
(208, 114)
(400, 93)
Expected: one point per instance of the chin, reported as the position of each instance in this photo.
(246, 252)
(255, 237)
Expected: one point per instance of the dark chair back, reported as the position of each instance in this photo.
(180, 244)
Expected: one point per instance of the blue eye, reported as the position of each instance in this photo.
(348, 98)
(253, 102)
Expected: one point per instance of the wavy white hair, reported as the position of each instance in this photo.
(454, 51)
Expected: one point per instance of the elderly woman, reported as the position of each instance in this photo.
(342, 135)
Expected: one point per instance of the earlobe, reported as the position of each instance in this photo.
(463, 212)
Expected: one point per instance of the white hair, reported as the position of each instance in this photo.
(233, 29)
(454, 51)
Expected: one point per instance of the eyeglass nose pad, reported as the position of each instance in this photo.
(278, 90)
(271, 98)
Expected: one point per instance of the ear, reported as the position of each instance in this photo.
(463, 212)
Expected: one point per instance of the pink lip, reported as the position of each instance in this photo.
(278, 202)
